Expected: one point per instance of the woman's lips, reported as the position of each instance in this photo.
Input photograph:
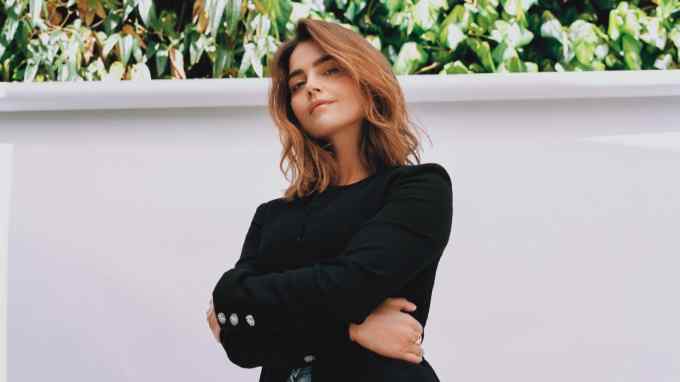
(323, 104)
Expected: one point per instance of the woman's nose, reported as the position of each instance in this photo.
(311, 85)
(312, 89)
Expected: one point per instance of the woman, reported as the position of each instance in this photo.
(335, 278)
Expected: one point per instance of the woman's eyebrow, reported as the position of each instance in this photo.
(318, 62)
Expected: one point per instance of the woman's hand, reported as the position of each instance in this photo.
(212, 321)
(390, 332)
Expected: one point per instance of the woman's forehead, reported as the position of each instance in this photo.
(304, 54)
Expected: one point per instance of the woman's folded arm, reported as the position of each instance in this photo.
(406, 236)
(248, 344)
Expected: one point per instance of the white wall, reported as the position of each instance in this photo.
(562, 264)
(5, 187)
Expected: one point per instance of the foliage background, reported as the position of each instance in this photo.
(75, 40)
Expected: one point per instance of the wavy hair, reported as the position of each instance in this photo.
(386, 136)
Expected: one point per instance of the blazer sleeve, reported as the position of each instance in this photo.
(248, 345)
(408, 234)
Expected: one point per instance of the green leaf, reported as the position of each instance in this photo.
(631, 52)
(503, 52)
(137, 52)
(249, 56)
(486, 17)
(517, 7)
(196, 48)
(112, 22)
(35, 7)
(278, 12)
(215, 13)
(631, 25)
(483, 52)
(615, 24)
(128, 7)
(585, 51)
(11, 24)
(663, 61)
(73, 58)
(511, 33)
(456, 67)
(109, 44)
(515, 65)
(459, 16)
(454, 36)
(583, 31)
(426, 12)
(393, 6)
(220, 61)
(125, 44)
(553, 29)
(674, 36)
(665, 8)
(355, 7)
(232, 16)
(653, 32)
(531, 67)
(147, 11)
(116, 72)
(411, 57)
(374, 41)
(161, 60)
(140, 72)
(62, 71)
(601, 51)
(398, 19)
(31, 70)
(585, 38)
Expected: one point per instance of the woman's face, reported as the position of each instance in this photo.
(312, 79)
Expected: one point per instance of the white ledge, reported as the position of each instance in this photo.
(239, 92)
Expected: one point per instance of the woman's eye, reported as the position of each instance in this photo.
(296, 86)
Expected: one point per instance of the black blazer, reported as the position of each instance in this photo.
(311, 266)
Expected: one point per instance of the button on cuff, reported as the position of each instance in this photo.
(250, 320)
(233, 318)
(221, 318)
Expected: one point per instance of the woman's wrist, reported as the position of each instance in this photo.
(352, 327)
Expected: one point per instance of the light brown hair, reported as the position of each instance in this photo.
(386, 137)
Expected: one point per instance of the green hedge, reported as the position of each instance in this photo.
(67, 40)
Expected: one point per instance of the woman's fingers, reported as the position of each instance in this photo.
(414, 353)
(413, 337)
(402, 303)
(212, 323)
(412, 358)
(413, 323)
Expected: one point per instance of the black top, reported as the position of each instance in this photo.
(311, 266)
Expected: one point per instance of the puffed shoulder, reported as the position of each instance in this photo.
(427, 172)
(427, 180)
(419, 198)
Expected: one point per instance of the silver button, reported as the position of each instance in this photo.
(309, 358)
(233, 318)
(250, 320)
(221, 318)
